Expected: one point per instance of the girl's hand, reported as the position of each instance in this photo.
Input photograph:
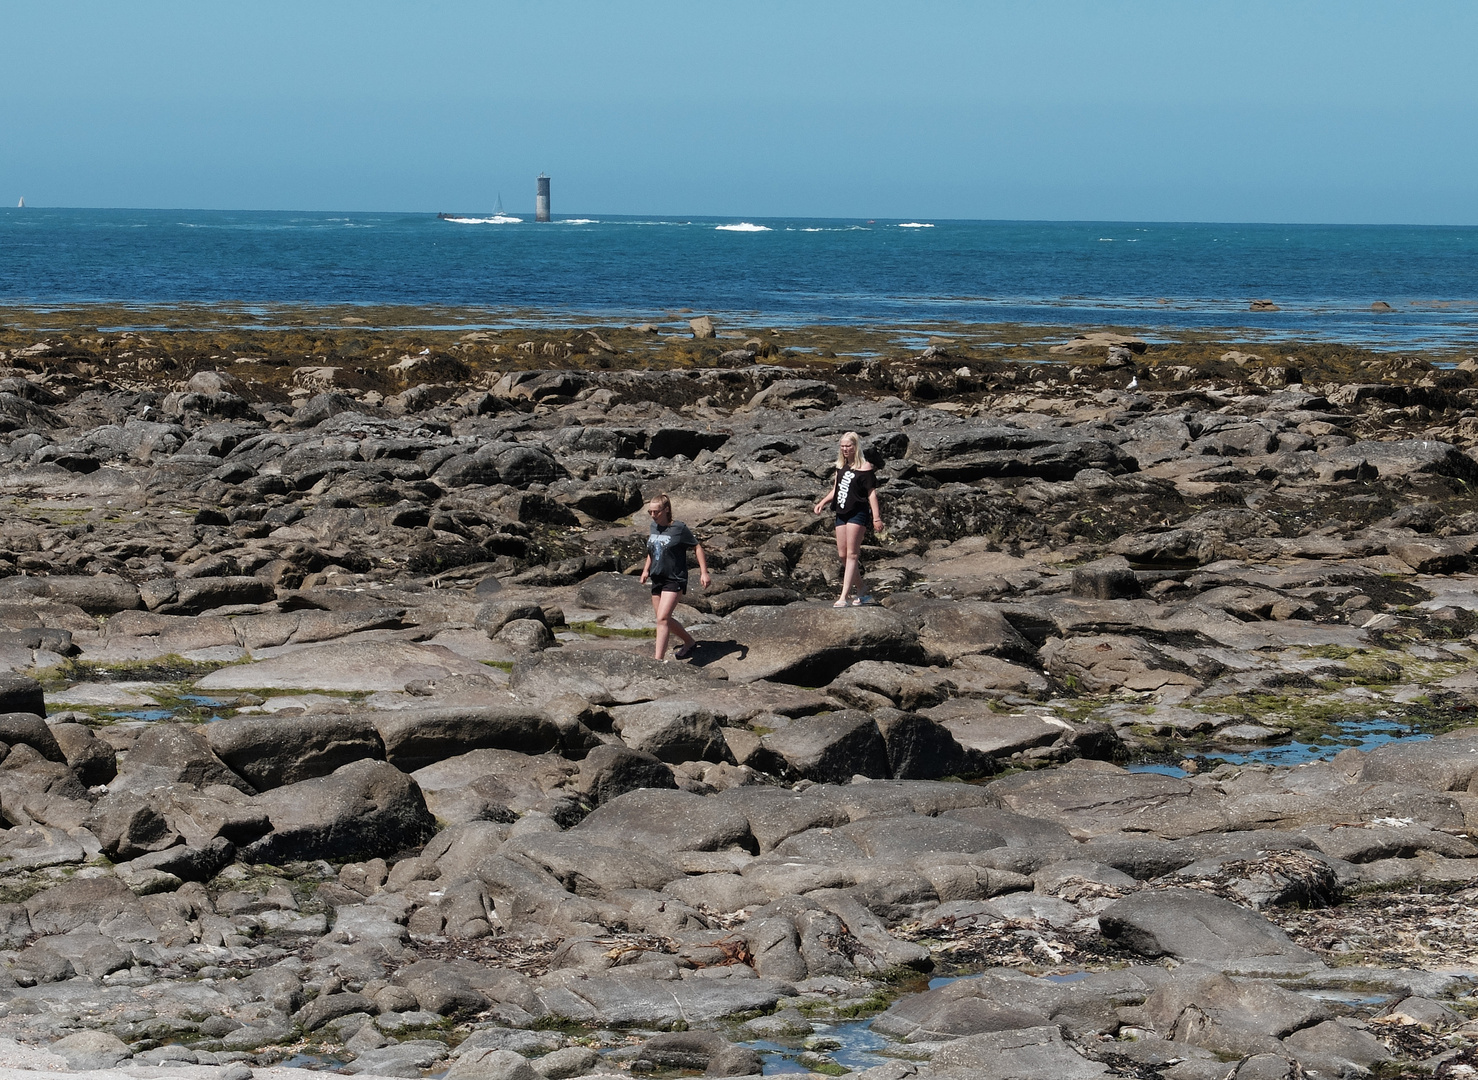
(704, 579)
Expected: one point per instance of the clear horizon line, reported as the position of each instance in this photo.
(742, 217)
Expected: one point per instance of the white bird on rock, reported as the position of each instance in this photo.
(1133, 383)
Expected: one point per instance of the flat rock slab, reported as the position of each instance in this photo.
(806, 644)
(982, 730)
(363, 666)
(132, 695)
(606, 677)
(1195, 926)
(1020, 1054)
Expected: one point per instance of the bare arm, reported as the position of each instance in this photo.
(832, 494)
(703, 577)
(877, 513)
(646, 568)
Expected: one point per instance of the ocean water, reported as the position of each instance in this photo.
(1158, 277)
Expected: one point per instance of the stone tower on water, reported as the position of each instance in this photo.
(541, 200)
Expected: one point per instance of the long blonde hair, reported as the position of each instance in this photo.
(856, 441)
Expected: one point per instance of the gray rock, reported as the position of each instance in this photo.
(28, 727)
(270, 751)
(409, 1059)
(1190, 925)
(1342, 1038)
(362, 809)
(1228, 1016)
(668, 821)
(567, 1062)
(952, 629)
(45, 964)
(920, 749)
(81, 902)
(96, 594)
(268, 1031)
(87, 1050)
(176, 754)
(811, 644)
(1015, 1055)
(777, 813)
(327, 1007)
(610, 771)
(494, 1065)
(415, 738)
(586, 866)
(1446, 763)
(673, 731)
(607, 677)
(832, 748)
(94, 761)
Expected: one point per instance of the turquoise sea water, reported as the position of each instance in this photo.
(768, 271)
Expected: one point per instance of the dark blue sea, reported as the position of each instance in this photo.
(1155, 277)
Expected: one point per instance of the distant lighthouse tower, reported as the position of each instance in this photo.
(541, 200)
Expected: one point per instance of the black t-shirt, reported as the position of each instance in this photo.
(853, 488)
(668, 549)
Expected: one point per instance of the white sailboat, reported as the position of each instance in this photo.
(22, 204)
(498, 218)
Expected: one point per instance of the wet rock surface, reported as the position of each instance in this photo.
(330, 732)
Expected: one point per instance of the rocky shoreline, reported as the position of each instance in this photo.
(331, 733)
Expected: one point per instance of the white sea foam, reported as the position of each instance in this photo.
(916, 225)
(496, 219)
(743, 226)
(579, 221)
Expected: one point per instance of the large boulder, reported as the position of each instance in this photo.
(415, 738)
(92, 759)
(1013, 1054)
(920, 749)
(30, 729)
(669, 821)
(270, 751)
(191, 596)
(811, 644)
(361, 810)
(96, 594)
(1090, 798)
(610, 771)
(1187, 925)
(175, 754)
(832, 748)
(673, 730)
(950, 629)
(1447, 763)
(21, 694)
(82, 902)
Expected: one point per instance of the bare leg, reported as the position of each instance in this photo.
(849, 545)
(662, 605)
(657, 614)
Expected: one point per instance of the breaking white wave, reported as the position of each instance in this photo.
(496, 219)
(916, 225)
(743, 226)
(579, 221)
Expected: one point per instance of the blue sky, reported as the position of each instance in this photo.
(1206, 111)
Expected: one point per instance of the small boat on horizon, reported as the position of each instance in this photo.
(498, 217)
(22, 204)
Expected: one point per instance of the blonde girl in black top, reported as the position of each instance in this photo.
(854, 491)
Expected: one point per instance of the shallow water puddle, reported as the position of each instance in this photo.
(852, 1044)
(1356, 734)
(1362, 734)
